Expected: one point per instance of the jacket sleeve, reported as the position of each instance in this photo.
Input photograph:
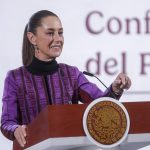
(9, 107)
(89, 91)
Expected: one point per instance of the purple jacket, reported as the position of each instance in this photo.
(25, 94)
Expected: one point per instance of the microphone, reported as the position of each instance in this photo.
(92, 75)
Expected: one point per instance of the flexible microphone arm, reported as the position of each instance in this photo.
(92, 75)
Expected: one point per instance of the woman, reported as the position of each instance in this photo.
(42, 81)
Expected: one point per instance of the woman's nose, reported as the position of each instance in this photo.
(57, 37)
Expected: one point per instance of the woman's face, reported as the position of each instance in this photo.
(49, 39)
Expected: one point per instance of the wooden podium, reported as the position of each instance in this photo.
(64, 122)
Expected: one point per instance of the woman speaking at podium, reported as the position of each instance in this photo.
(41, 81)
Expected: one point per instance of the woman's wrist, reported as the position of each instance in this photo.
(117, 91)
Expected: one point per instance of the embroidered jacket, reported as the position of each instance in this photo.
(26, 94)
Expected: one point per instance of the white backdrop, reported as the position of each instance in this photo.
(115, 38)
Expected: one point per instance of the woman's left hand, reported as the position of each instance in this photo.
(121, 82)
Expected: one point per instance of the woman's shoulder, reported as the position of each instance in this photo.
(63, 65)
(68, 69)
(16, 71)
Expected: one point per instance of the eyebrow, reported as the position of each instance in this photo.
(52, 29)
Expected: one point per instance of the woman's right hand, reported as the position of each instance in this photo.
(20, 135)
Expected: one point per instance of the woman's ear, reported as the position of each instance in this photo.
(31, 37)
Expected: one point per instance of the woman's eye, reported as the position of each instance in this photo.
(60, 33)
(50, 33)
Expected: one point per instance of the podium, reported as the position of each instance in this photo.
(60, 127)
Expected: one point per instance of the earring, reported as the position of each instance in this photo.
(36, 48)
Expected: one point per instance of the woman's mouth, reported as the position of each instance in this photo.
(56, 46)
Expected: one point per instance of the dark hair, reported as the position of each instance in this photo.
(34, 22)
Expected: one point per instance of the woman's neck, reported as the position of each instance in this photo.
(43, 59)
(42, 67)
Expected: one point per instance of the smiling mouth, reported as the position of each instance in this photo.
(55, 46)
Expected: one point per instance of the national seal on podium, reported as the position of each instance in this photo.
(106, 122)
